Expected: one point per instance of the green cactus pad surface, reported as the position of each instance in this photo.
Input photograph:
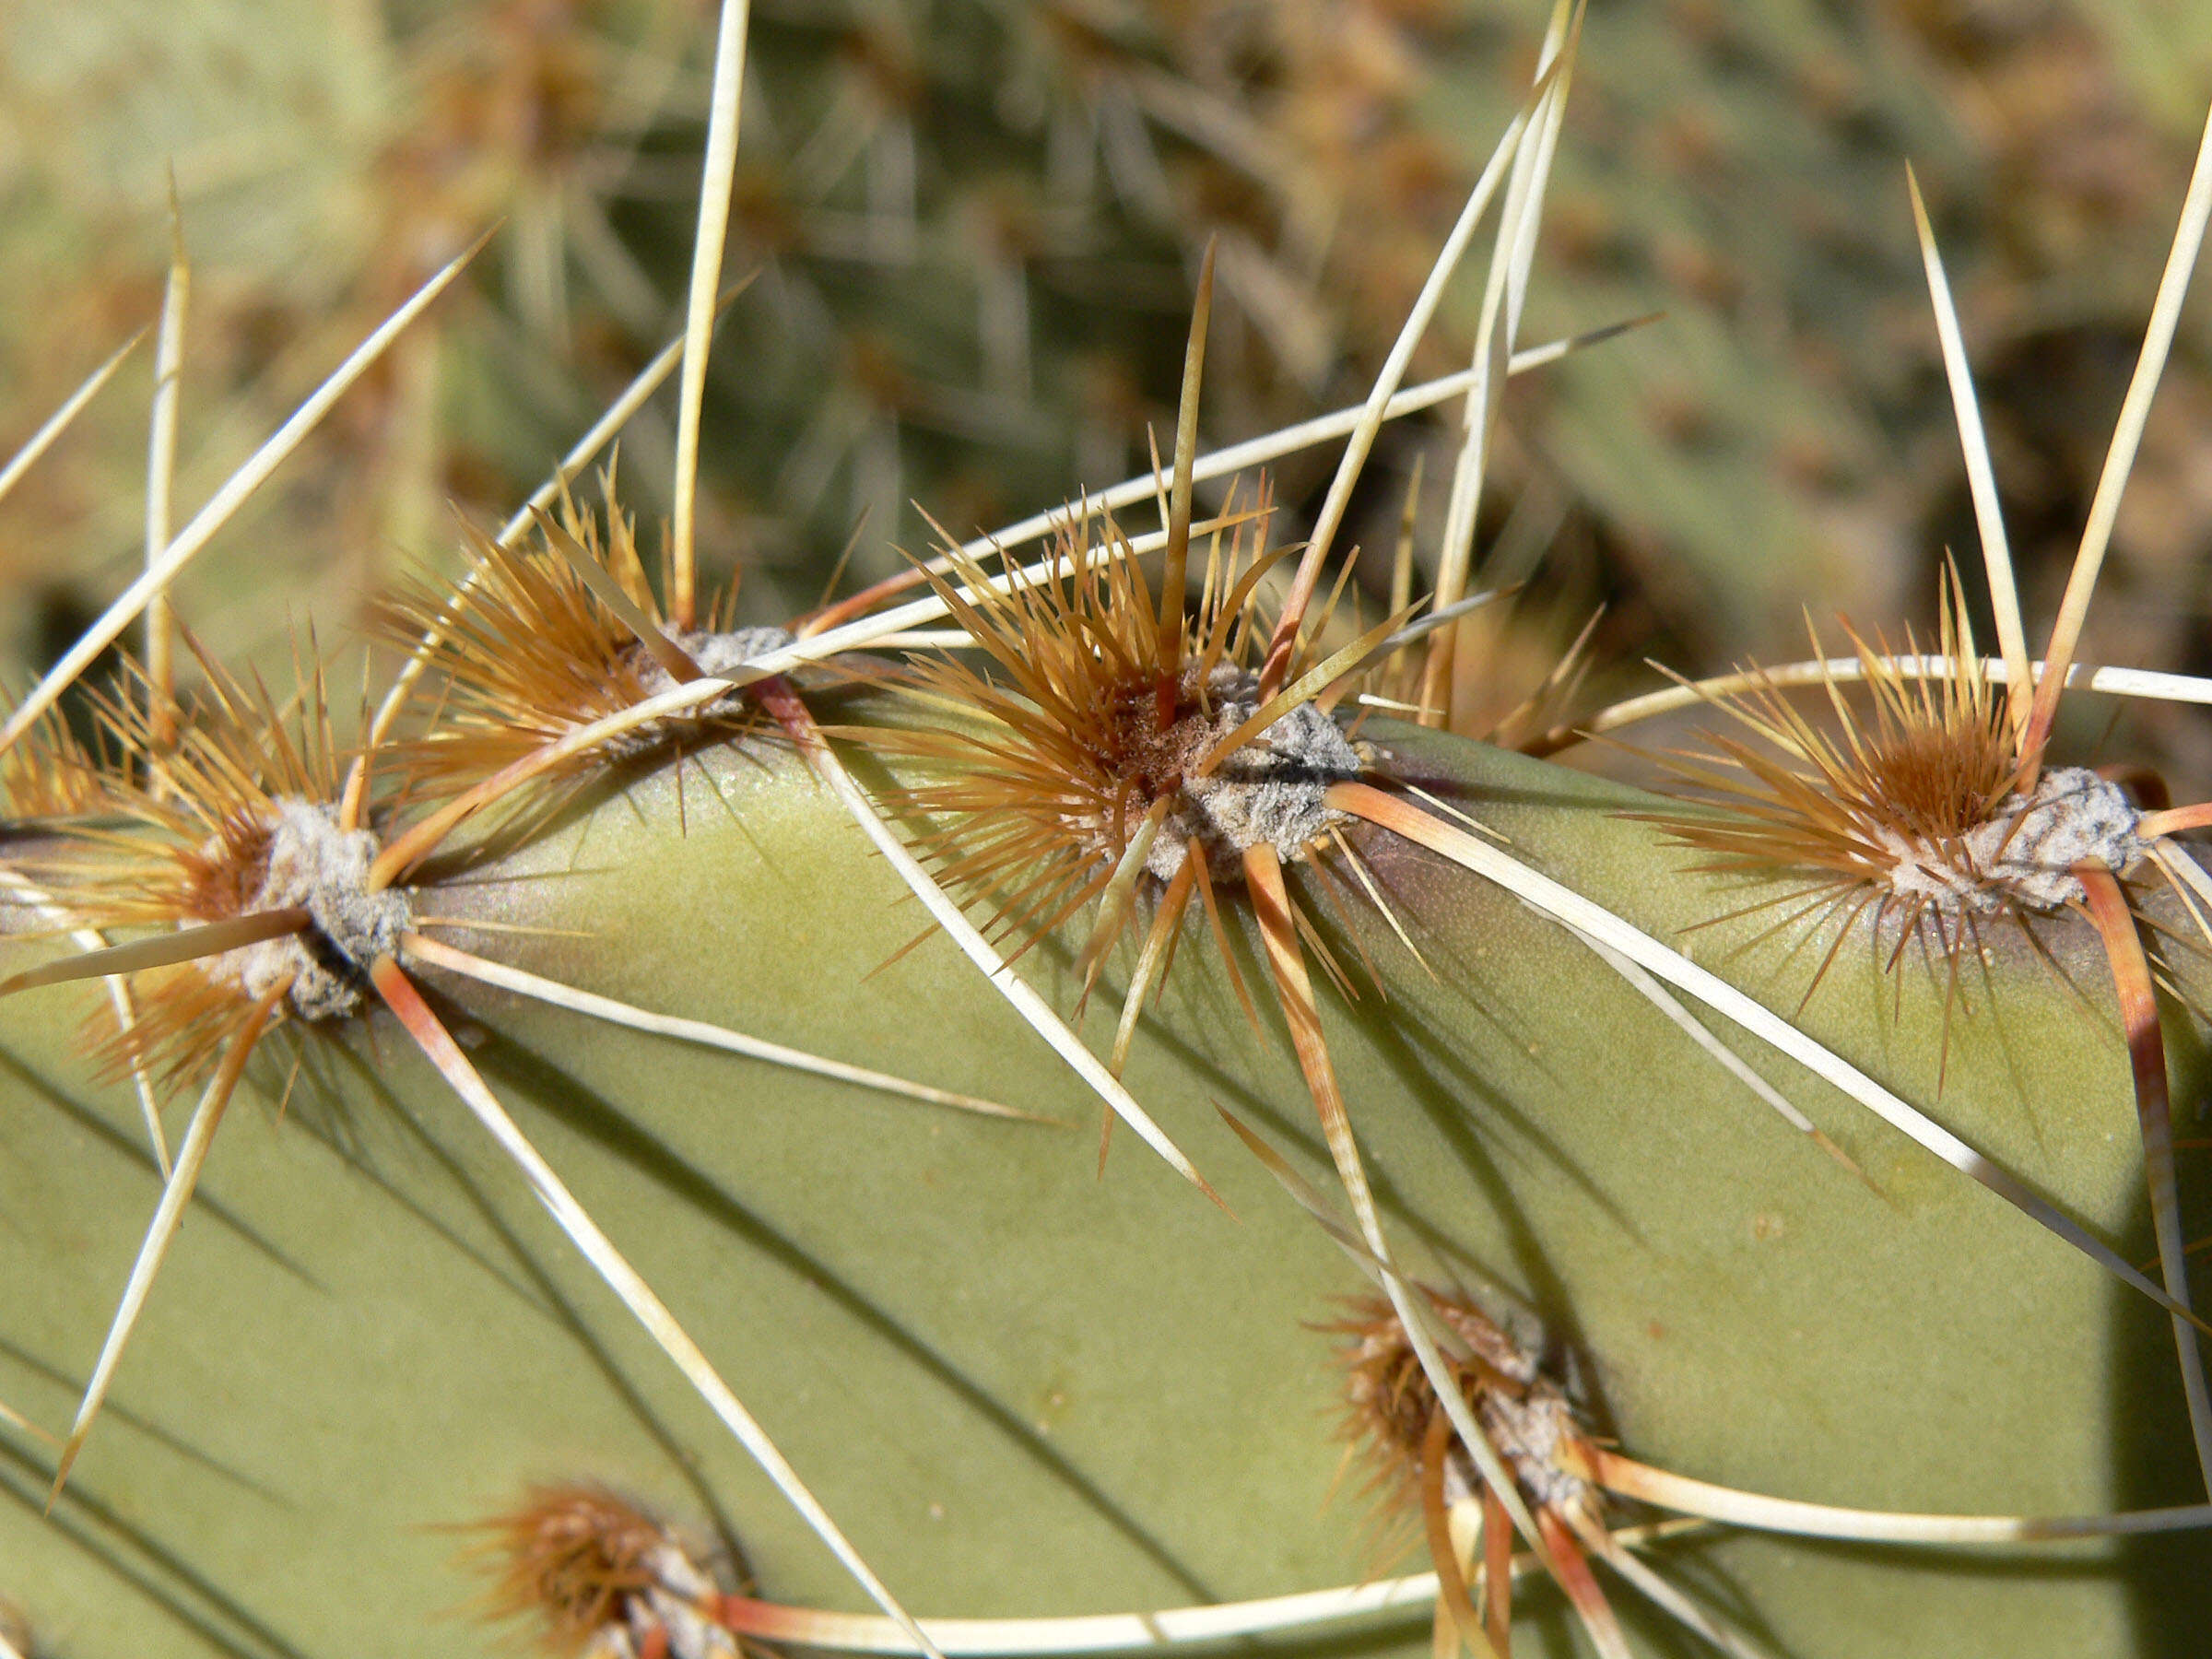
(1028, 1390)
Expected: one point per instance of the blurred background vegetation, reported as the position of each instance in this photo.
(975, 225)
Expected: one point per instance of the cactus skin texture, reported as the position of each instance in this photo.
(1025, 1389)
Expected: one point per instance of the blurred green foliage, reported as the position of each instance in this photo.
(974, 224)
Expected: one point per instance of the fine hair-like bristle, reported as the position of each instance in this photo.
(47, 774)
(570, 1557)
(1041, 803)
(598, 1575)
(1107, 749)
(1913, 813)
(526, 652)
(203, 800)
(1934, 760)
(1390, 1409)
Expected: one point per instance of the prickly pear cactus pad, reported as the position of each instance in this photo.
(881, 1131)
(1028, 1390)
